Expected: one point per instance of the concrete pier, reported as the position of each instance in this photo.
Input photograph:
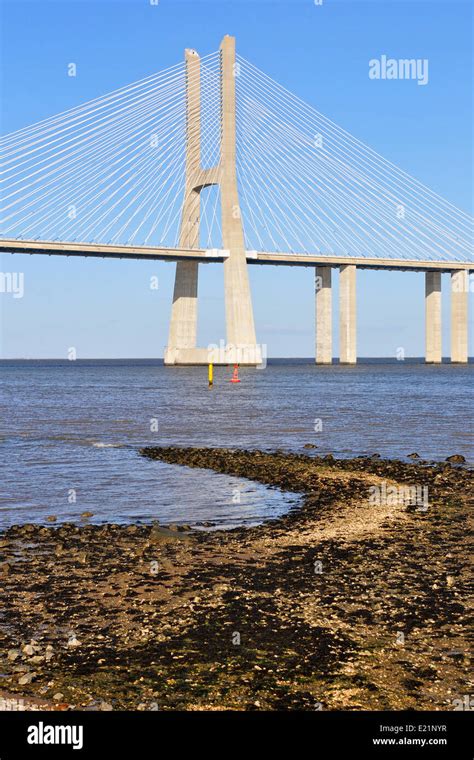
(459, 316)
(184, 311)
(347, 315)
(240, 328)
(433, 317)
(323, 296)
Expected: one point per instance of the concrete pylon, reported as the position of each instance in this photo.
(241, 345)
(433, 317)
(238, 301)
(183, 323)
(459, 316)
(347, 315)
(323, 293)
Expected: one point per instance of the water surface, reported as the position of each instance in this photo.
(71, 430)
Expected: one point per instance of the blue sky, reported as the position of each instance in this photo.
(106, 308)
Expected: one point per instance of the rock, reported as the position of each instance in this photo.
(85, 515)
(310, 446)
(28, 650)
(27, 678)
(164, 535)
(105, 706)
(13, 654)
(413, 456)
(27, 528)
(37, 659)
(456, 458)
(73, 642)
(58, 696)
(51, 518)
(4, 569)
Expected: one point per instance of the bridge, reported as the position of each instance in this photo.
(211, 161)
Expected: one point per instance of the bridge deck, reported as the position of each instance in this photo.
(50, 248)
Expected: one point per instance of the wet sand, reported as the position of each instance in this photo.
(343, 603)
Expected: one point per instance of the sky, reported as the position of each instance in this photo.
(321, 52)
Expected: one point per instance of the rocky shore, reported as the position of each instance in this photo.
(355, 600)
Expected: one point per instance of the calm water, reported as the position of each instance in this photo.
(75, 427)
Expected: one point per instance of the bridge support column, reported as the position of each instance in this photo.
(347, 315)
(183, 324)
(433, 317)
(241, 338)
(323, 293)
(459, 316)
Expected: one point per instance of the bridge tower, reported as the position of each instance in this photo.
(241, 345)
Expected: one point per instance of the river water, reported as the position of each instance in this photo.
(71, 430)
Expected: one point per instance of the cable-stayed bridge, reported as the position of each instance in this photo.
(213, 161)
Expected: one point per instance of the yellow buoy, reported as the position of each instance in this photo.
(210, 374)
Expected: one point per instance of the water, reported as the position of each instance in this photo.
(72, 430)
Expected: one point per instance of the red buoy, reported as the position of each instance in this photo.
(235, 376)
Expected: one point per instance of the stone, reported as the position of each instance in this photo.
(37, 659)
(456, 459)
(26, 678)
